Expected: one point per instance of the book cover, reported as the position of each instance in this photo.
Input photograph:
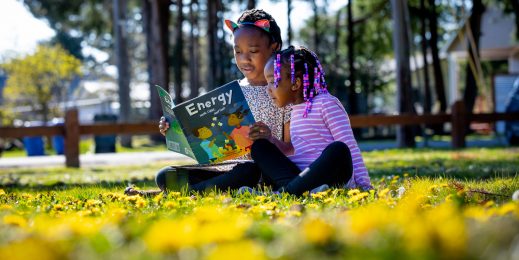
(215, 124)
(175, 138)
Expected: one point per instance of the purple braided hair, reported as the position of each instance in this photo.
(292, 72)
(277, 69)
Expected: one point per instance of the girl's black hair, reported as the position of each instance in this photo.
(254, 15)
(302, 55)
(305, 61)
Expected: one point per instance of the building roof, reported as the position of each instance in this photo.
(497, 37)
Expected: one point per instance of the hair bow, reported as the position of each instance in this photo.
(263, 24)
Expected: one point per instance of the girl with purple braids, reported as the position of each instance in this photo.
(256, 36)
(325, 150)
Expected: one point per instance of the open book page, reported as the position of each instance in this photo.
(216, 124)
(175, 139)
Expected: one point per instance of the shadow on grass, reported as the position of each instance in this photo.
(117, 185)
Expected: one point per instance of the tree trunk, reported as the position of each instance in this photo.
(336, 38)
(515, 7)
(156, 21)
(289, 27)
(193, 50)
(316, 26)
(251, 4)
(223, 58)
(471, 88)
(123, 66)
(427, 87)
(212, 19)
(439, 85)
(352, 95)
(401, 45)
(178, 55)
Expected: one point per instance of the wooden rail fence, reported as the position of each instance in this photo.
(72, 130)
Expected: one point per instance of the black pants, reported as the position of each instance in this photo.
(244, 174)
(333, 167)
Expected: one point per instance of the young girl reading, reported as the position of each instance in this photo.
(256, 37)
(325, 150)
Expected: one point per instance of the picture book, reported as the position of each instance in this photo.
(211, 128)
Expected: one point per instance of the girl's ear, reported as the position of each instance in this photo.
(274, 47)
(297, 85)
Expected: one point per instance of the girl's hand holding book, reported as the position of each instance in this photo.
(163, 125)
(260, 130)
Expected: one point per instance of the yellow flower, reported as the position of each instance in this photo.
(434, 189)
(2, 192)
(319, 195)
(170, 204)
(477, 213)
(5, 206)
(318, 231)
(15, 220)
(507, 208)
(30, 249)
(206, 225)
(329, 200)
(353, 192)
(261, 198)
(92, 203)
(383, 193)
(312, 206)
(57, 207)
(174, 194)
(240, 250)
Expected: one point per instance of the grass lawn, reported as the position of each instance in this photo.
(427, 204)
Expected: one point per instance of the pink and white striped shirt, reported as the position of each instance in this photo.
(326, 122)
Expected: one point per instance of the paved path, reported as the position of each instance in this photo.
(92, 159)
(149, 157)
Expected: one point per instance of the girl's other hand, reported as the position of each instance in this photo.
(260, 130)
(163, 126)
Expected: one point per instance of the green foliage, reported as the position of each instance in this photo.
(372, 43)
(36, 80)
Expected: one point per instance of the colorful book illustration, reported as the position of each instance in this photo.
(211, 128)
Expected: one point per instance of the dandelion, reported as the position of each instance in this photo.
(261, 198)
(329, 200)
(15, 220)
(318, 231)
(158, 199)
(384, 193)
(353, 192)
(434, 189)
(170, 204)
(312, 206)
(240, 250)
(507, 208)
(5, 206)
(30, 248)
(2, 192)
(318, 195)
(57, 207)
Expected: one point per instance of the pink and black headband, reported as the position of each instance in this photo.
(263, 24)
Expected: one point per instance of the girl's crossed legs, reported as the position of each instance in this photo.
(333, 167)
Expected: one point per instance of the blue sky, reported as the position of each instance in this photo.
(20, 31)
